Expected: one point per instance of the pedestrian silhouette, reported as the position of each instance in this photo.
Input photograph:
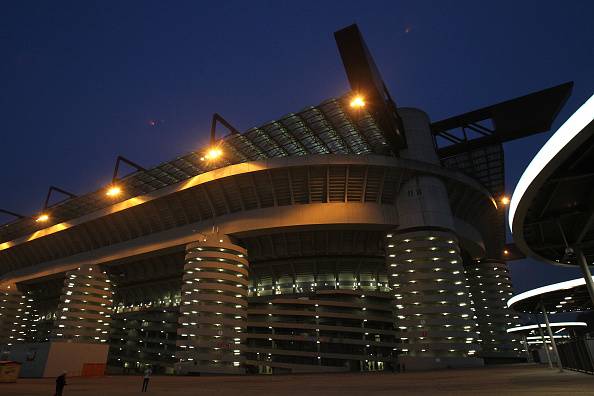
(147, 377)
(60, 384)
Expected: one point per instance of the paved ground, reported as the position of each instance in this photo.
(503, 380)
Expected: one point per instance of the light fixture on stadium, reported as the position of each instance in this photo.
(213, 153)
(43, 217)
(113, 191)
(357, 102)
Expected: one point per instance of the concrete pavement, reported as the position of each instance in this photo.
(522, 380)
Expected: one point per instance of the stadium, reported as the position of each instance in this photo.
(354, 235)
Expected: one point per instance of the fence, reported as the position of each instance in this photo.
(577, 354)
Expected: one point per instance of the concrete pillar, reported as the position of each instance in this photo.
(552, 338)
(12, 309)
(432, 306)
(213, 310)
(528, 355)
(84, 310)
(490, 288)
(433, 311)
(21, 307)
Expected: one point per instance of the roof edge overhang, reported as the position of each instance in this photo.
(542, 325)
(578, 128)
(247, 167)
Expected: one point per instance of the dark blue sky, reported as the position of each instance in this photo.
(80, 81)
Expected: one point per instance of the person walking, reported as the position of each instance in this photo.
(147, 376)
(60, 384)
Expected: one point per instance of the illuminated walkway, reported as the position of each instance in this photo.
(505, 380)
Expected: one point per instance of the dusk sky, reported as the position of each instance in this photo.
(80, 81)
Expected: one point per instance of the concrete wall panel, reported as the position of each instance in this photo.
(71, 356)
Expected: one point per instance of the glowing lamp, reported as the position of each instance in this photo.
(504, 200)
(113, 191)
(42, 218)
(358, 102)
(213, 153)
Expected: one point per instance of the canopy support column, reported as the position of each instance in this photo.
(528, 356)
(553, 343)
(544, 345)
(586, 272)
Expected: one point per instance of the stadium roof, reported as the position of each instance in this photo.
(553, 204)
(329, 128)
(333, 127)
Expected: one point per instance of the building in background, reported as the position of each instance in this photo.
(354, 235)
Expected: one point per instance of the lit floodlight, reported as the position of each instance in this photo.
(42, 218)
(113, 191)
(213, 153)
(358, 102)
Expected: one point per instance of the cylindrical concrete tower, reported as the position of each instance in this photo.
(433, 311)
(491, 287)
(432, 306)
(12, 308)
(85, 306)
(213, 310)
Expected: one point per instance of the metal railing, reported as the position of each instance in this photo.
(577, 354)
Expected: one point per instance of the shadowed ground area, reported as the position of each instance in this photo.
(502, 380)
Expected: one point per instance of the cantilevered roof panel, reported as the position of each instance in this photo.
(512, 119)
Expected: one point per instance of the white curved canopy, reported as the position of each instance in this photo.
(556, 324)
(570, 284)
(565, 134)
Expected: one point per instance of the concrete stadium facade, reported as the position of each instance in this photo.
(349, 236)
(342, 260)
